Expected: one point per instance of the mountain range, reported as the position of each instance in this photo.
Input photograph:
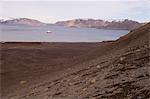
(21, 21)
(88, 23)
(101, 24)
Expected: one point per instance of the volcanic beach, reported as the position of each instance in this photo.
(104, 70)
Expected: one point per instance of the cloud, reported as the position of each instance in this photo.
(51, 11)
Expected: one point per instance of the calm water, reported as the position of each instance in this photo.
(60, 34)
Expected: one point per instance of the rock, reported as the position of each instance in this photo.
(70, 84)
(138, 50)
(84, 89)
(12, 98)
(23, 82)
(46, 89)
(122, 58)
(93, 80)
(98, 66)
(93, 98)
(69, 68)
(145, 46)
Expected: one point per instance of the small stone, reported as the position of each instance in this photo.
(23, 82)
(46, 89)
(12, 97)
(84, 89)
(98, 66)
(70, 84)
(93, 81)
(69, 68)
(145, 46)
(47, 97)
(139, 97)
(75, 77)
(119, 64)
(122, 58)
(138, 50)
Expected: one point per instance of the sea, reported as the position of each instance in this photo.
(24, 33)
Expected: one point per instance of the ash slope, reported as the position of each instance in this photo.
(122, 73)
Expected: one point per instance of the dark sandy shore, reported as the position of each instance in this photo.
(108, 70)
(25, 63)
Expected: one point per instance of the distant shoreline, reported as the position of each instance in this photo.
(16, 42)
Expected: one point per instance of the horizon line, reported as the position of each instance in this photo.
(110, 20)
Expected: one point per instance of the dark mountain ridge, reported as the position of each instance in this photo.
(22, 21)
(89, 23)
(101, 24)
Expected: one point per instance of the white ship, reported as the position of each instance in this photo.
(48, 31)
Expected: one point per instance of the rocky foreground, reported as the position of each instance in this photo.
(118, 70)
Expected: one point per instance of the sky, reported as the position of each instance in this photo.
(49, 11)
